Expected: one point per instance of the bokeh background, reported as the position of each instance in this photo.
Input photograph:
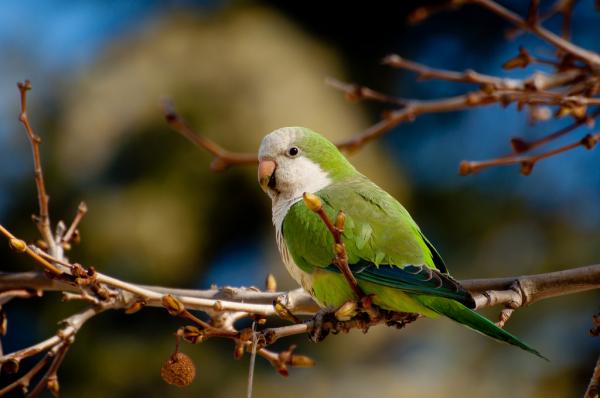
(237, 70)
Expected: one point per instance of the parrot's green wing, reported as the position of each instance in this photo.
(383, 243)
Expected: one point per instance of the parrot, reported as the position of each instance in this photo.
(388, 255)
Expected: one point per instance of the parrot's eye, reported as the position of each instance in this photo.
(293, 151)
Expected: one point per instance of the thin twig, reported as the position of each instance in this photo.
(537, 81)
(25, 380)
(314, 203)
(589, 57)
(50, 375)
(81, 211)
(222, 158)
(593, 389)
(20, 246)
(521, 146)
(43, 220)
(355, 92)
(527, 162)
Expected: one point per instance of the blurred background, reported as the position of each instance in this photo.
(238, 70)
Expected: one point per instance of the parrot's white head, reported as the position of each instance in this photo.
(294, 160)
(284, 170)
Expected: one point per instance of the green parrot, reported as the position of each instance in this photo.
(389, 256)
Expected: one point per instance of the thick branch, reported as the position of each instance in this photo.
(532, 288)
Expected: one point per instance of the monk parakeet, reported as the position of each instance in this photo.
(389, 256)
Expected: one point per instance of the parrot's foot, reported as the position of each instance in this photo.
(400, 319)
(323, 322)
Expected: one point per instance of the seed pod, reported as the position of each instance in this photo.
(178, 370)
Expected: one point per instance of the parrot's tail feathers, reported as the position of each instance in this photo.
(465, 316)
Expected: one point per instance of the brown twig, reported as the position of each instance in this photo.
(527, 162)
(521, 146)
(43, 219)
(25, 380)
(222, 158)
(411, 111)
(19, 245)
(313, 202)
(50, 379)
(593, 389)
(564, 7)
(536, 82)
(355, 92)
(81, 211)
(468, 76)
(589, 57)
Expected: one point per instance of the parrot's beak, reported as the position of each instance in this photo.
(266, 173)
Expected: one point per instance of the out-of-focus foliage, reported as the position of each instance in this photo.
(237, 71)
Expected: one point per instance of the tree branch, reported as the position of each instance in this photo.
(222, 158)
(593, 389)
(589, 57)
(43, 220)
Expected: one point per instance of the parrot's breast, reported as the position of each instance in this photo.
(304, 279)
(280, 210)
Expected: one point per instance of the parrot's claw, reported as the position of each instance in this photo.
(324, 321)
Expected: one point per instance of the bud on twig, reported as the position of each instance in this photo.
(526, 167)
(340, 220)
(312, 201)
(193, 335)
(53, 385)
(340, 250)
(17, 245)
(173, 305)
(347, 311)
(302, 361)
(239, 350)
(11, 366)
(271, 283)
(135, 307)
(3, 322)
(520, 61)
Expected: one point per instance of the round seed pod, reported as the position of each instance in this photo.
(178, 370)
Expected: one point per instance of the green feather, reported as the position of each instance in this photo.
(473, 320)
